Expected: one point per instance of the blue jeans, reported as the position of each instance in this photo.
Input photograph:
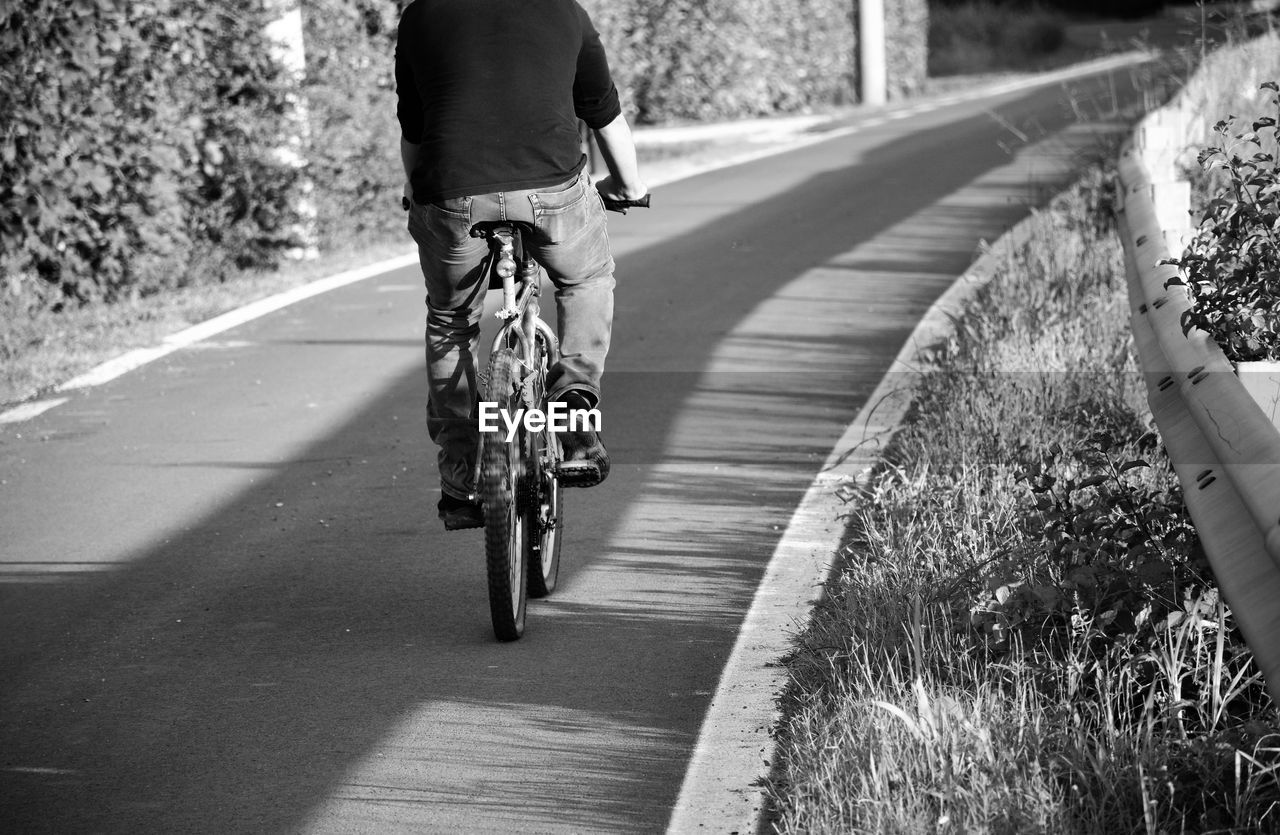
(571, 244)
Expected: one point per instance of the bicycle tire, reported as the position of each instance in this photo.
(546, 498)
(506, 515)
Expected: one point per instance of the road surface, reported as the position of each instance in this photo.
(228, 606)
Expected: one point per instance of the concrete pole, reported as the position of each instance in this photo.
(871, 49)
(285, 36)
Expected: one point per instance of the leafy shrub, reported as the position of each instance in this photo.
(1232, 266)
(717, 59)
(140, 148)
(672, 61)
(354, 158)
(984, 35)
(907, 32)
(1124, 9)
(137, 136)
(1106, 554)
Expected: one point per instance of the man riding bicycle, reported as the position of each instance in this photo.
(489, 98)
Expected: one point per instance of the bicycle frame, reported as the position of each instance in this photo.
(521, 288)
(520, 309)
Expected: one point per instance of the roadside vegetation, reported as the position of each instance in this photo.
(141, 185)
(1023, 634)
(985, 35)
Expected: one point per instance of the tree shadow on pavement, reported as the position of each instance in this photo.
(327, 665)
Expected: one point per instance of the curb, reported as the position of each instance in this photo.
(722, 789)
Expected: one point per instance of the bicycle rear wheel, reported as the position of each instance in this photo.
(547, 511)
(508, 523)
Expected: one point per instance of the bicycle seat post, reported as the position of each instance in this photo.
(506, 270)
(529, 276)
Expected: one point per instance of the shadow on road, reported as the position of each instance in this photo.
(323, 661)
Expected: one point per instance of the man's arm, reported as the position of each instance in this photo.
(619, 152)
(409, 156)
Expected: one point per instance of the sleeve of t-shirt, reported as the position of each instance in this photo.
(595, 98)
(408, 102)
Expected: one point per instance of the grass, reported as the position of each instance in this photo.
(1231, 89)
(41, 347)
(1023, 635)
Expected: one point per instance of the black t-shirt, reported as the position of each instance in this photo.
(493, 89)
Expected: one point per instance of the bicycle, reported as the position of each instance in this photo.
(519, 487)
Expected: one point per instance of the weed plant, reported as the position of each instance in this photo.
(1024, 635)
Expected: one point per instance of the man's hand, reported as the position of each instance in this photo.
(611, 189)
(616, 199)
(618, 150)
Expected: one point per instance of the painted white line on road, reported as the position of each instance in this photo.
(125, 363)
(120, 365)
(1100, 65)
(113, 368)
(27, 411)
(735, 750)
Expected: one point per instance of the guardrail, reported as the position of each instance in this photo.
(1224, 449)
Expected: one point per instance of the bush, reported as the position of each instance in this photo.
(718, 59)
(354, 159)
(140, 148)
(1124, 9)
(984, 35)
(677, 61)
(137, 134)
(1232, 267)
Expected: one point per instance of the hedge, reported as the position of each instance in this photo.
(354, 160)
(140, 152)
(139, 139)
(695, 60)
(673, 60)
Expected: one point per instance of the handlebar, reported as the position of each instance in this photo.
(621, 206)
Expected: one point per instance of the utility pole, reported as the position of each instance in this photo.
(285, 34)
(871, 51)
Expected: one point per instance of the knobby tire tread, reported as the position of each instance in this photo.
(499, 494)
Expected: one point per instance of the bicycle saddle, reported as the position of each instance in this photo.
(486, 228)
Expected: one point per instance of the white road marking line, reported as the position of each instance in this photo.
(34, 408)
(114, 368)
(120, 365)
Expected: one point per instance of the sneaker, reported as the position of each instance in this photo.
(586, 463)
(459, 514)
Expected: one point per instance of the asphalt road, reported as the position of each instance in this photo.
(227, 605)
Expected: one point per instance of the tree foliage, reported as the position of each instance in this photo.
(719, 59)
(139, 136)
(1231, 268)
(140, 148)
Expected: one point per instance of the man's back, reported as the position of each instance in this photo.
(492, 91)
